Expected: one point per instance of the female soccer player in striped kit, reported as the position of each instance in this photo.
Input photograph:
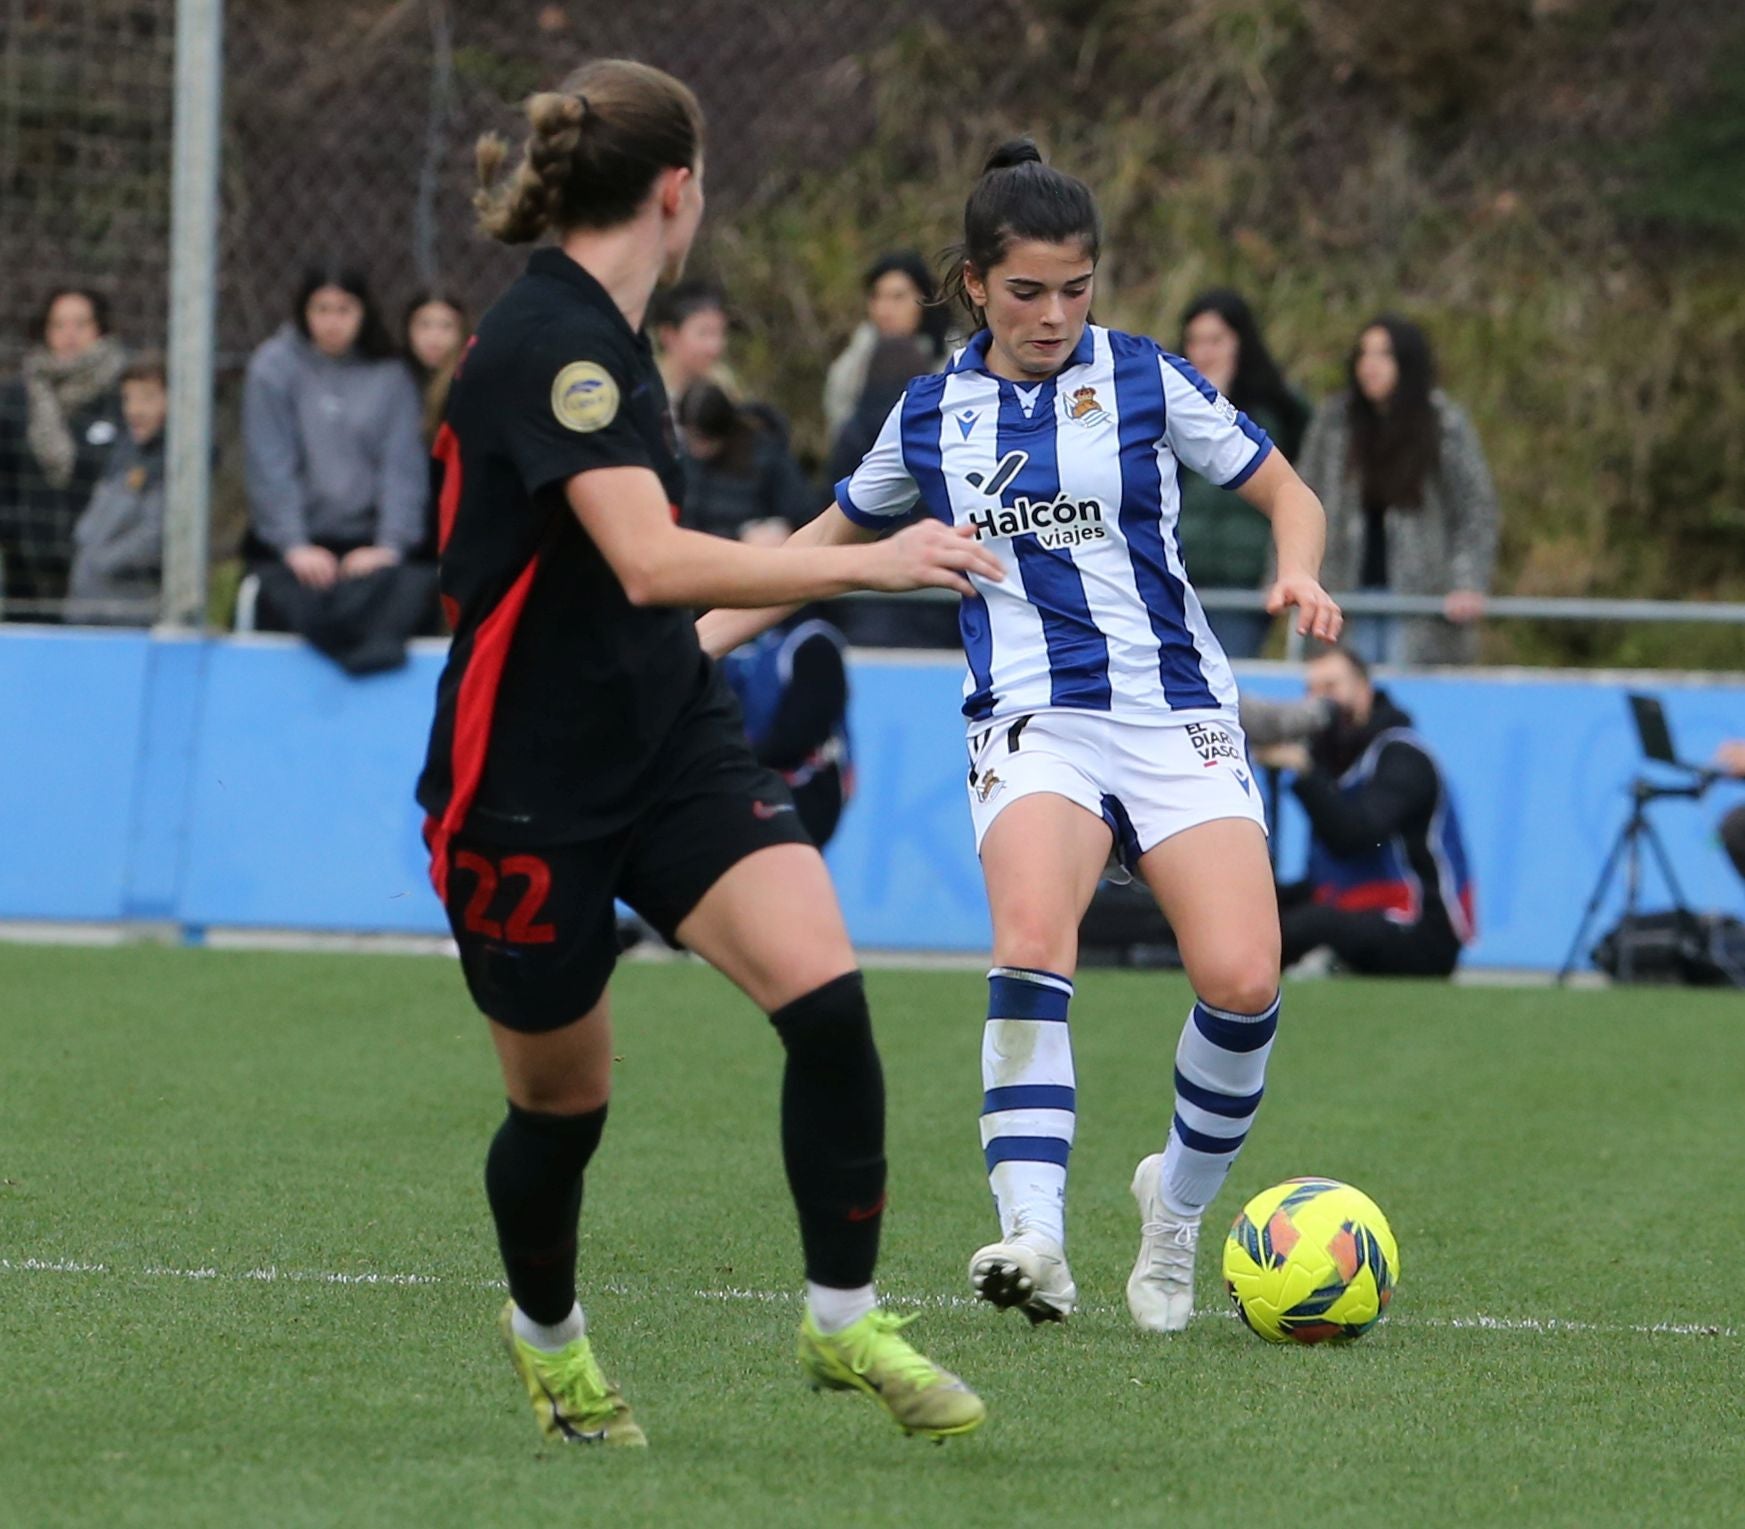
(1100, 709)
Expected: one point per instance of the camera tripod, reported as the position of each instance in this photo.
(1626, 850)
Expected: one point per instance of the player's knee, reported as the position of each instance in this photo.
(566, 1096)
(563, 1086)
(1036, 943)
(1245, 985)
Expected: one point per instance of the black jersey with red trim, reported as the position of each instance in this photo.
(558, 712)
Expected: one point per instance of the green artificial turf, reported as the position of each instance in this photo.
(1546, 1158)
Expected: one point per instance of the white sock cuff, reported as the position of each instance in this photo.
(558, 1335)
(832, 1309)
(1269, 1012)
(1034, 974)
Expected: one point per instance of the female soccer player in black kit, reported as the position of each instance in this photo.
(585, 749)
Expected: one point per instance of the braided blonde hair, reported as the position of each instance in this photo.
(596, 146)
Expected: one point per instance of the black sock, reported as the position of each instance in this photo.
(833, 1130)
(533, 1177)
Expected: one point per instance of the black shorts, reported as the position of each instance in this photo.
(537, 930)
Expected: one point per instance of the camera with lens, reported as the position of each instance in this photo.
(1269, 722)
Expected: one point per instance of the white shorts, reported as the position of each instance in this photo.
(1147, 782)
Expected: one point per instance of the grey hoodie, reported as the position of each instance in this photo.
(118, 543)
(334, 448)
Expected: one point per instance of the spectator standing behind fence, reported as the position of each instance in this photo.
(901, 304)
(58, 420)
(338, 480)
(1389, 885)
(690, 329)
(737, 470)
(1226, 542)
(891, 366)
(118, 543)
(879, 621)
(1411, 506)
(433, 333)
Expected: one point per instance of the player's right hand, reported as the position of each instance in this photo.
(929, 555)
(315, 567)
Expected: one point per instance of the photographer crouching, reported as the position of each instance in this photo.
(1389, 888)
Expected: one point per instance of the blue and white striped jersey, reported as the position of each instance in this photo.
(1071, 483)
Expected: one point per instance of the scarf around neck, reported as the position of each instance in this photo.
(58, 387)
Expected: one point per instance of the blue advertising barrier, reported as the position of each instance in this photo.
(248, 782)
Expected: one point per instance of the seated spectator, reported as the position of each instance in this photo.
(1389, 888)
(1410, 503)
(1731, 759)
(433, 333)
(118, 543)
(793, 687)
(690, 332)
(338, 480)
(901, 304)
(1225, 541)
(58, 420)
(737, 470)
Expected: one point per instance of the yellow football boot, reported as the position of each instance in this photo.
(870, 1356)
(572, 1400)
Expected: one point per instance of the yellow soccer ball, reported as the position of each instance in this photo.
(1311, 1261)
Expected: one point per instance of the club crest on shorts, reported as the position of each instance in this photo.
(987, 785)
(584, 397)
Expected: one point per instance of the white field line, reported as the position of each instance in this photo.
(1484, 1323)
(271, 1274)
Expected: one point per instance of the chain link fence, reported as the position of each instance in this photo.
(349, 131)
(86, 100)
(348, 128)
(360, 149)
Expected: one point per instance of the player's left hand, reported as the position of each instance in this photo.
(364, 560)
(1317, 613)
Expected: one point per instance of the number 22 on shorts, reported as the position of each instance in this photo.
(519, 928)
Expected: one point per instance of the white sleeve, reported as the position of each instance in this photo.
(1206, 431)
(880, 491)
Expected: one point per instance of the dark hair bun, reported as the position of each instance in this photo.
(1014, 151)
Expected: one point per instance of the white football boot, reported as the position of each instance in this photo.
(1160, 1290)
(1027, 1270)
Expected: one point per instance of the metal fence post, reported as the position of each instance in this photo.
(193, 303)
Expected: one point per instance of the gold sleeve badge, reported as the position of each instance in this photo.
(584, 397)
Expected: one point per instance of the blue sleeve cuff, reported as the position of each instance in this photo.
(1253, 464)
(853, 511)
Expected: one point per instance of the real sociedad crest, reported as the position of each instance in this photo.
(1082, 408)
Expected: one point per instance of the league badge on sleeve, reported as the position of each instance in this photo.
(584, 397)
